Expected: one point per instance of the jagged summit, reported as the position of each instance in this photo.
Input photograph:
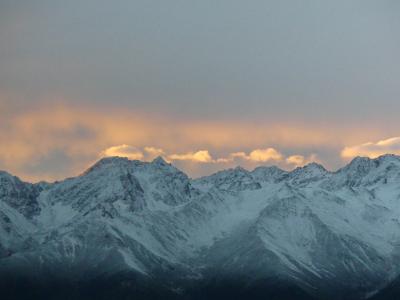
(159, 160)
(124, 163)
(388, 157)
(312, 172)
(268, 174)
(269, 169)
(108, 162)
(148, 221)
(366, 171)
(360, 162)
(364, 163)
(361, 166)
(311, 167)
(240, 169)
(225, 175)
(5, 174)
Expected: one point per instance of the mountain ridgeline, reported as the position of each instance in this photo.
(144, 230)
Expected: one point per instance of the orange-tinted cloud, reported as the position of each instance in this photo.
(296, 160)
(300, 160)
(259, 155)
(153, 152)
(33, 140)
(264, 155)
(373, 150)
(123, 151)
(202, 156)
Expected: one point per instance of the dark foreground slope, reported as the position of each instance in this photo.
(130, 286)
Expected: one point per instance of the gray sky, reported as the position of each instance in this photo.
(331, 66)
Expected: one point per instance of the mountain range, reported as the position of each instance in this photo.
(127, 229)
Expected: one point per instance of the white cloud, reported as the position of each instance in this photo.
(258, 155)
(152, 152)
(296, 160)
(373, 150)
(264, 155)
(202, 156)
(300, 160)
(123, 151)
(241, 155)
(255, 156)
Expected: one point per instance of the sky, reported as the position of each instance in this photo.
(208, 84)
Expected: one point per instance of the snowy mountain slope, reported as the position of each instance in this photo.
(315, 231)
(19, 195)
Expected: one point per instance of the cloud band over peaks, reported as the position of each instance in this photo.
(373, 150)
(204, 156)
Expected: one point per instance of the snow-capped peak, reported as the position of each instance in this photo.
(108, 162)
(268, 173)
(311, 168)
(309, 226)
(309, 173)
(363, 165)
(159, 160)
(366, 171)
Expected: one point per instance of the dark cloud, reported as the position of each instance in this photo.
(275, 59)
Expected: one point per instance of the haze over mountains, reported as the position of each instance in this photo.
(129, 229)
